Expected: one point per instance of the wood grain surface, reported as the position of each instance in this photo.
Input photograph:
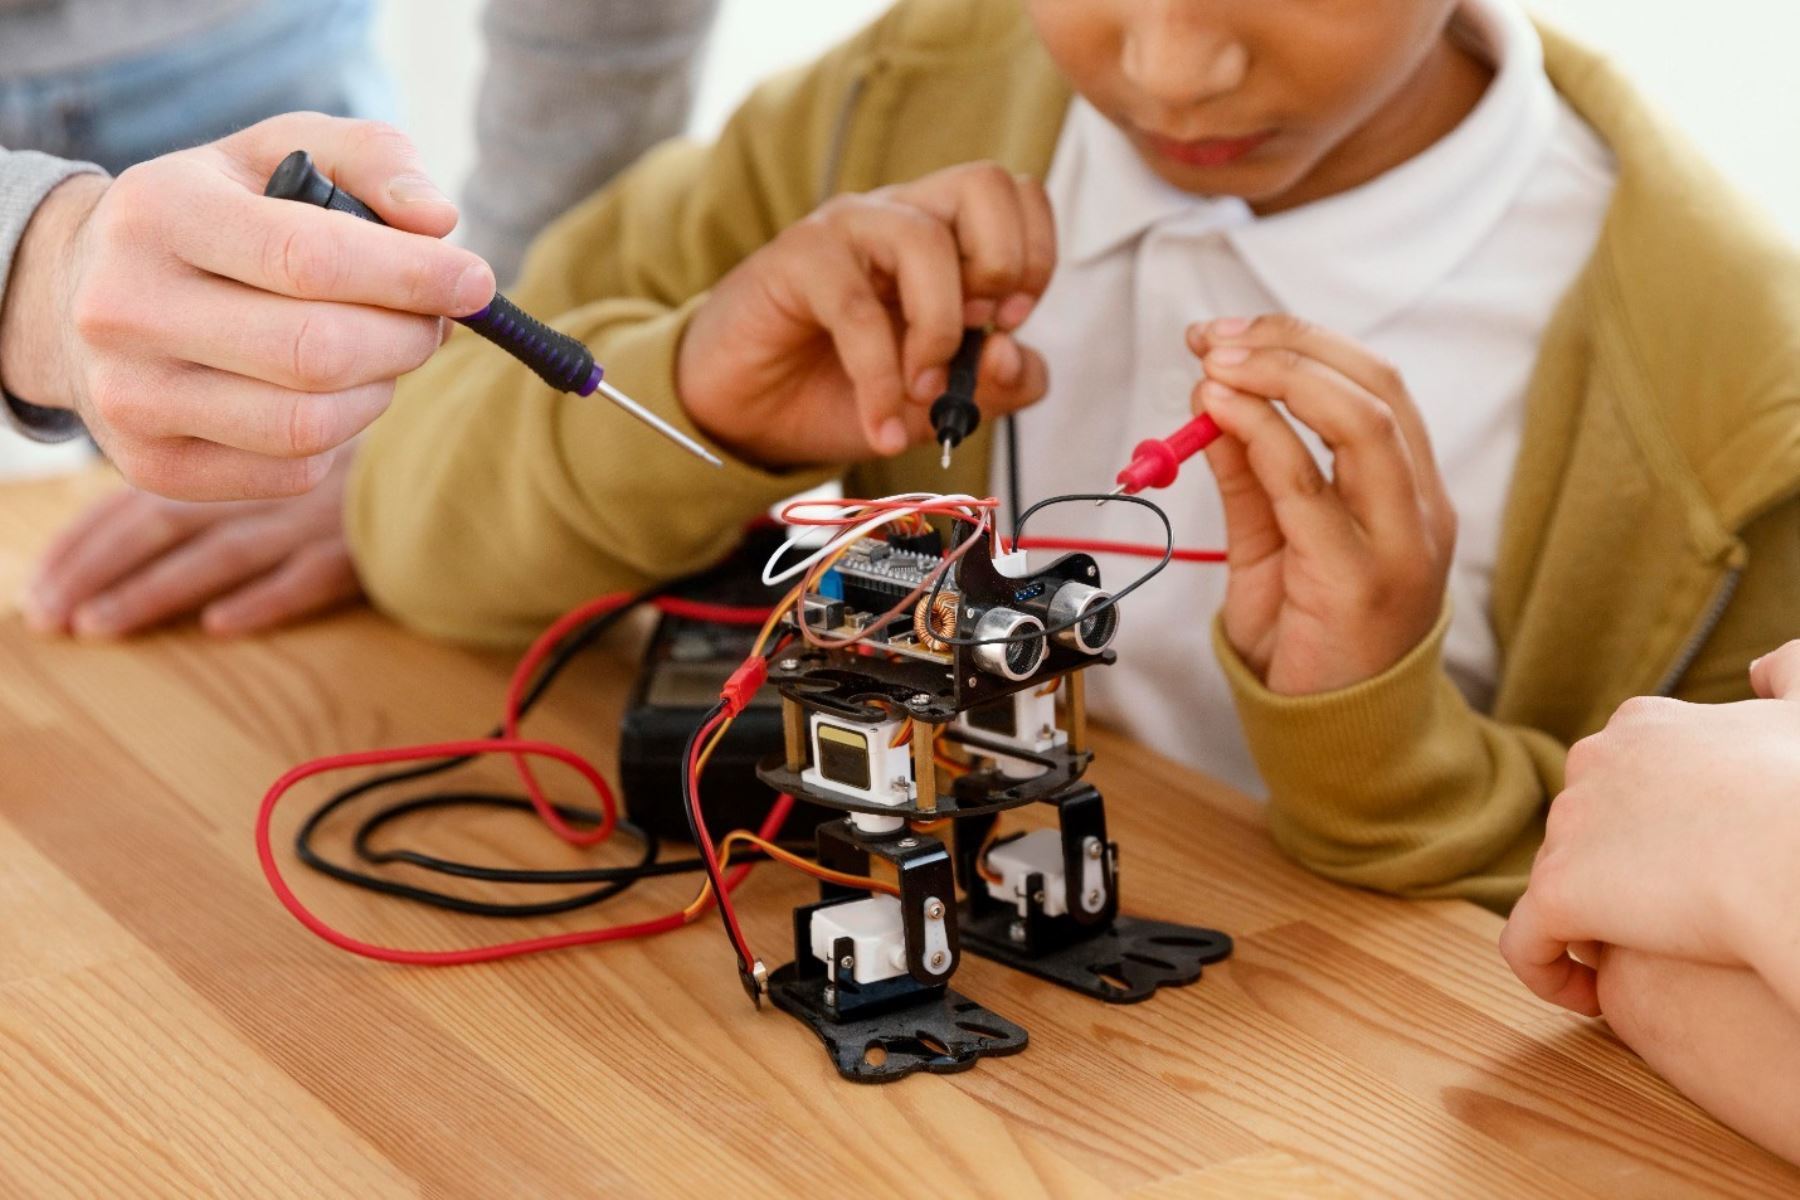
(167, 1030)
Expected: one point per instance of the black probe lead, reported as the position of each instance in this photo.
(955, 415)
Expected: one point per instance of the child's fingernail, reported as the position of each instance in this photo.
(1229, 327)
(1756, 663)
(930, 383)
(1213, 391)
(1016, 309)
(1230, 356)
(1009, 363)
(978, 314)
(892, 437)
(415, 189)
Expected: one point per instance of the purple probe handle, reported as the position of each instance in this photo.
(558, 359)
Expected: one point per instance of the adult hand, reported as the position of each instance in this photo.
(1676, 834)
(830, 343)
(1332, 580)
(135, 560)
(219, 344)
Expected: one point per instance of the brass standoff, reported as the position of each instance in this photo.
(793, 726)
(924, 765)
(1075, 697)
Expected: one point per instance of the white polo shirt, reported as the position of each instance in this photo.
(1450, 265)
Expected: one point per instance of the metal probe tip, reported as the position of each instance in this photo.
(657, 423)
(944, 459)
(1118, 491)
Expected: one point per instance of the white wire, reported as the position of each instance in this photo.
(853, 533)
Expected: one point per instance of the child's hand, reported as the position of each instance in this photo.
(135, 560)
(1676, 834)
(1332, 580)
(830, 343)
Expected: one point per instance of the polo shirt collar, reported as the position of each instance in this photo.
(1352, 260)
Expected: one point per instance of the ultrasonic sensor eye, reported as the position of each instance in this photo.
(1090, 617)
(1014, 660)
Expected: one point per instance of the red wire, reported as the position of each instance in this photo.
(544, 645)
(265, 852)
(1091, 546)
(738, 941)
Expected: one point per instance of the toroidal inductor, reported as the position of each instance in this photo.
(930, 628)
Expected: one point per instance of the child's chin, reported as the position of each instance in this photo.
(1252, 180)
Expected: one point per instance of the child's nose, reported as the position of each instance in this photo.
(1178, 54)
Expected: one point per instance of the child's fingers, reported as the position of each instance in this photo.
(1344, 355)
(919, 253)
(316, 578)
(185, 578)
(999, 219)
(1252, 533)
(1305, 505)
(1541, 961)
(1013, 376)
(1040, 252)
(1374, 468)
(839, 298)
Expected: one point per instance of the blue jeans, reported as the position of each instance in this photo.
(284, 56)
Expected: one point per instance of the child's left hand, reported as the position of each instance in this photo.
(1333, 580)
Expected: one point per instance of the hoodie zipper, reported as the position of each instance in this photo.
(1709, 621)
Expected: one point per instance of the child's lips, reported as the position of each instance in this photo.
(1207, 152)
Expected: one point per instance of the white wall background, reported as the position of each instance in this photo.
(1724, 68)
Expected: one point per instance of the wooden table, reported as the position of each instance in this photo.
(166, 1029)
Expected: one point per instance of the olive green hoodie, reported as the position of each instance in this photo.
(1651, 541)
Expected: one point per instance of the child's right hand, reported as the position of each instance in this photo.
(830, 343)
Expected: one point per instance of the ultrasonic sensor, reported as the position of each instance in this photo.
(1090, 617)
(1014, 660)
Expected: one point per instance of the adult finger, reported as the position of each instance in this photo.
(319, 577)
(1776, 676)
(1542, 961)
(308, 346)
(187, 469)
(1373, 467)
(371, 160)
(248, 414)
(298, 250)
(182, 580)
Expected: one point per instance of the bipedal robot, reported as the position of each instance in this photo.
(962, 688)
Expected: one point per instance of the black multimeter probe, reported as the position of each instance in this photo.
(558, 359)
(954, 415)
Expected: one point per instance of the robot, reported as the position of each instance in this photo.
(938, 721)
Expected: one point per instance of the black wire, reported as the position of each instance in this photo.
(554, 665)
(1089, 614)
(690, 808)
(1015, 491)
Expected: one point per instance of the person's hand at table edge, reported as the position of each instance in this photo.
(134, 561)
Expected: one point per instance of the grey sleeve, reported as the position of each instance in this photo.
(26, 177)
(575, 91)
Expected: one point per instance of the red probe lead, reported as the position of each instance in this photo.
(1157, 461)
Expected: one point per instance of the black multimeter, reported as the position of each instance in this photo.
(685, 665)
